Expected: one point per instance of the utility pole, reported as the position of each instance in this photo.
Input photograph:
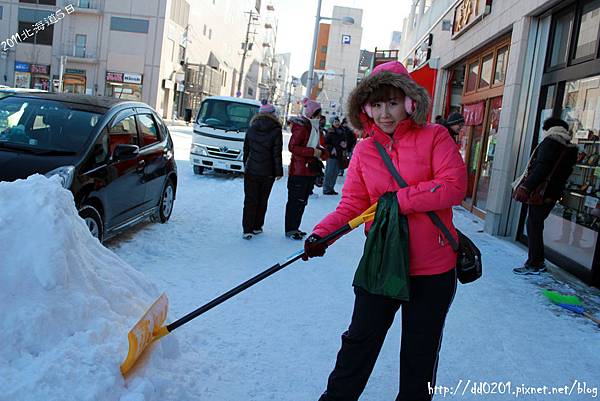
(342, 97)
(289, 100)
(63, 61)
(251, 17)
(309, 80)
(273, 82)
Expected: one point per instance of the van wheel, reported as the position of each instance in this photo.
(198, 170)
(167, 200)
(93, 221)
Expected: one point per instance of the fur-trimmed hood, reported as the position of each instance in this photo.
(265, 121)
(358, 118)
(560, 135)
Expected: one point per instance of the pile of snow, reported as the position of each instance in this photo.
(67, 302)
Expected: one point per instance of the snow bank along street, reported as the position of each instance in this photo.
(68, 303)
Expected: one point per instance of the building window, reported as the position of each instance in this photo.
(324, 49)
(80, 42)
(486, 71)
(181, 54)
(180, 12)
(204, 30)
(587, 39)
(210, 33)
(322, 64)
(1, 11)
(29, 17)
(84, 4)
(501, 63)
(129, 25)
(560, 43)
(43, 2)
(472, 75)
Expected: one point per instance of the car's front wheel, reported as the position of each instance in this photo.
(93, 221)
(167, 200)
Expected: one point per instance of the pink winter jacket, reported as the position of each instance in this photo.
(429, 161)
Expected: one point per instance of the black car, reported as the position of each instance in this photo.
(115, 156)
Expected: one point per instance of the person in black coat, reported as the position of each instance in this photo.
(555, 152)
(337, 145)
(262, 166)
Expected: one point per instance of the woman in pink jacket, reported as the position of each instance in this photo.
(392, 110)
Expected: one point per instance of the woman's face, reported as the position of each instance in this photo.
(388, 114)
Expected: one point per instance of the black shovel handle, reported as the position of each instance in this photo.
(249, 283)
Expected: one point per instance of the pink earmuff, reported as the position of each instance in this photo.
(409, 105)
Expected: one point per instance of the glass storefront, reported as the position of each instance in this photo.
(571, 91)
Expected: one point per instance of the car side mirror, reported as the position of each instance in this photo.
(125, 152)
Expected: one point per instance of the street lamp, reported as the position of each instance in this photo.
(345, 20)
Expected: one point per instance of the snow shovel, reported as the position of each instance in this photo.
(150, 327)
(570, 302)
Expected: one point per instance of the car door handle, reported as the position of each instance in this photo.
(140, 166)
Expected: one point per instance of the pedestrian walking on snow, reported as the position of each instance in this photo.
(305, 165)
(553, 160)
(262, 166)
(337, 146)
(392, 110)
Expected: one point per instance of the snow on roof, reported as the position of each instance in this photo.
(68, 302)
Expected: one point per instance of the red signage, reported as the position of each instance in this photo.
(39, 69)
(474, 113)
(114, 76)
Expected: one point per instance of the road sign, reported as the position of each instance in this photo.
(304, 79)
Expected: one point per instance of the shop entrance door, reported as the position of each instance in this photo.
(480, 151)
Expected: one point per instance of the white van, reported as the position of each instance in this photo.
(219, 132)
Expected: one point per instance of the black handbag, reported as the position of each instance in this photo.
(468, 261)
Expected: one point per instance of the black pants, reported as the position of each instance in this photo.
(299, 188)
(536, 214)
(256, 197)
(423, 320)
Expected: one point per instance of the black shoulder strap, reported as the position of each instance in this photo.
(432, 215)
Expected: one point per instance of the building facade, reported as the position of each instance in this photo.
(507, 66)
(167, 53)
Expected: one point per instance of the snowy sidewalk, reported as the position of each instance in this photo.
(278, 340)
(70, 301)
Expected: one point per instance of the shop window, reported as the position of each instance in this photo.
(129, 25)
(563, 25)
(148, 130)
(322, 64)
(472, 77)
(486, 71)
(573, 225)
(501, 63)
(324, 49)
(587, 38)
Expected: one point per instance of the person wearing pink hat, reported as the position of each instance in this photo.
(307, 153)
(392, 110)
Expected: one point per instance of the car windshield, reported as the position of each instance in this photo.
(39, 124)
(226, 115)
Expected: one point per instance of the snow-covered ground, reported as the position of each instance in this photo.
(68, 304)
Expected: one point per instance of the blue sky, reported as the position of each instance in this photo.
(296, 24)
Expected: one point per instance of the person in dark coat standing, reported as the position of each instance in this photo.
(337, 146)
(556, 147)
(454, 124)
(305, 165)
(262, 166)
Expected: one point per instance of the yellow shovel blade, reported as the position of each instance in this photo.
(146, 330)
